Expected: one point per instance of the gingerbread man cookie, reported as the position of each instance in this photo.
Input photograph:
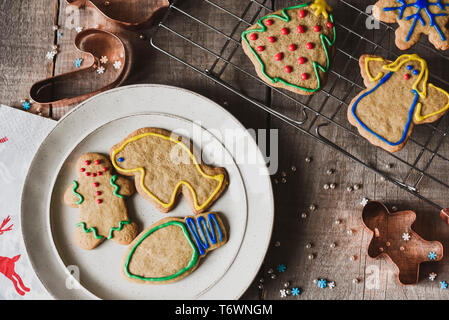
(392, 236)
(100, 197)
(164, 166)
(292, 48)
(416, 17)
(398, 96)
(171, 249)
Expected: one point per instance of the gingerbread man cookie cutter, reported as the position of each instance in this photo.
(92, 44)
(392, 237)
(113, 11)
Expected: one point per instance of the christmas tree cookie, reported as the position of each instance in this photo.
(171, 249)
(100, 197)
(416, 17)
(398, 96)
(164, 167)
(292, 48)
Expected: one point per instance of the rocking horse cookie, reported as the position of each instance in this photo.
(164, 167)
(171, 249)
(398, 97)
(416, 17)
(100, 197)
(392, 236)
(292, 48)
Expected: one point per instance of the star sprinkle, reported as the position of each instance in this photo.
(432, 255)
(443, 285)
(100, 70)
(283, 293)
(331, 284)
(104, 59)
(117, 64)
(406, 236)
(432, 276)
(282, 267)
(322, 283)
(296, 292)
(78, 29)
(50, 55)
(364, 201)
(78, 62)
(26, 105)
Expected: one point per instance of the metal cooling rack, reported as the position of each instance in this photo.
(216, 40)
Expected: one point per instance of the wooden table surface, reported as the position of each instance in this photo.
(26, 37)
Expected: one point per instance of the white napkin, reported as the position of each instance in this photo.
(21, 133)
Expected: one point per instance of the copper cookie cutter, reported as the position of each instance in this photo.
(112, 10)
(93, 44)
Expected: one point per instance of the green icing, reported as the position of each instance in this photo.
(117, 188)
(316, 66)
(191, 264)
(75, 187)
(94, 230)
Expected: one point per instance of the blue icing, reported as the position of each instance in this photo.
(205, 228)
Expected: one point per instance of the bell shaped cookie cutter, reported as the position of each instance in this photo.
(92, 43)
(392, 236)
(110, 9)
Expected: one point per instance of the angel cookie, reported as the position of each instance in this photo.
(416, 17)
(392, 236)
(100, 197)
(164, 166)
(292, 48)
(171, 249)
(398, 96)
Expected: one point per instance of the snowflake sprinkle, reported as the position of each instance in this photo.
(406, 236)
(432, 255)
(117, 64)
(26, 105)
(104, 59)
(283, 293)
(282, 267)
(364, 201)
(322, 283)
(79, 29)
(50, 55)
(296, 292)
(100, 70)
(332, 284)
(432, 276)
(443, 285)
(78, 62)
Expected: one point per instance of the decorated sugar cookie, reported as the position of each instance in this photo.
(292, 48)
(416, 17)
(392, 236)
(100, 197)
(398, 96)
(171, 249)
(163, 167)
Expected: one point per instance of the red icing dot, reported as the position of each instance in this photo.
(271, 39)
(302, 60)
(96, 184)
(98, 193)
(94, 174)
(288, 69)
(292, 47)
(406, 76)
(97, 161)
(260, 48)
(317, 28)
(285, 31)
(87, 173)
(100, 173)
(82, 169)
(305, 76)
(300, 29)
(302, 13)
(104, 169)
(269, 22)
(99, 201)
(330, 25)
(87, 162)
(253, 36)
(309, 45)
(279, 56)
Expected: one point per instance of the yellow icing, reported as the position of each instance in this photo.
(321, 7)
(367, 61)
(219, 177)
(419, 117)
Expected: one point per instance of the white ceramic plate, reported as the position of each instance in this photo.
(102, 121)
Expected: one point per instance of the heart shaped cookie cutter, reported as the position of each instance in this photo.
(113, 10)
(92, 43)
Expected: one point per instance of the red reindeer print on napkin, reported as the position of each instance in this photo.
(3, 227)
(3, 140)
(7, 266)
